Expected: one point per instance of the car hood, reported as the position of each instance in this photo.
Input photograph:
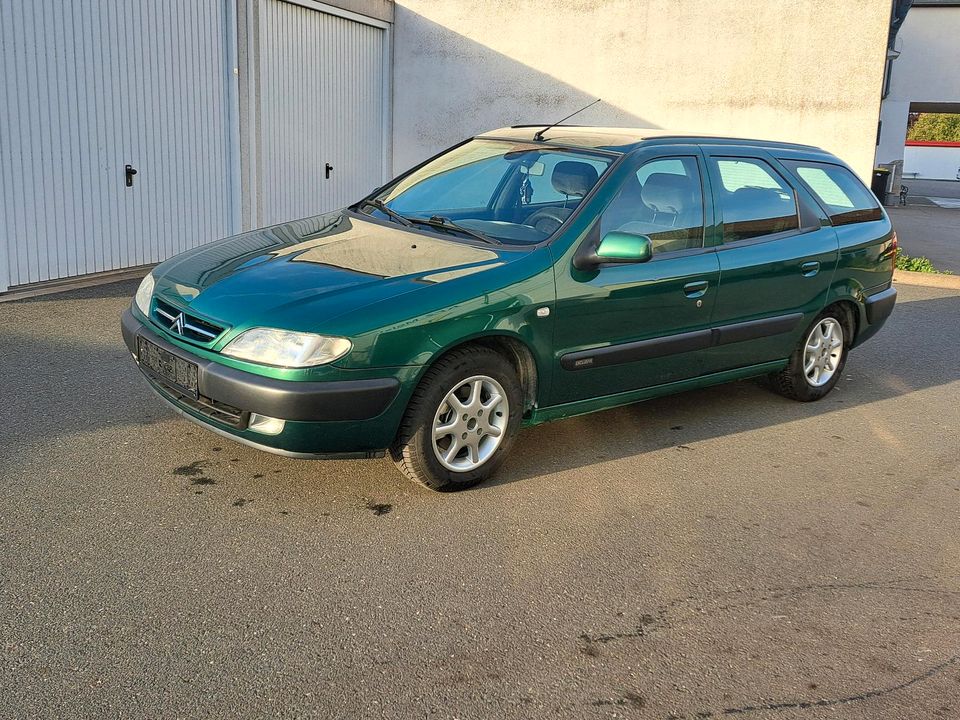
(299, 274)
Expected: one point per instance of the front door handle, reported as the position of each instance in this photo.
(696, 289)
(809, 269)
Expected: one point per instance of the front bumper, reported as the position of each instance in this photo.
(348, 418)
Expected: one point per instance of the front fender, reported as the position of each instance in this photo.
(421, 325)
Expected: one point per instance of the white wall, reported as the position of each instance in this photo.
(931, 163)
(807, 72)
(927, 70)
(893, 131)
(929, 44)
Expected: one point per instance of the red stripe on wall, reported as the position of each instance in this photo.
(931, 143)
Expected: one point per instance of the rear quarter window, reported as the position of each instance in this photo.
(844, 197)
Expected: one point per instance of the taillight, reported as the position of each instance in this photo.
(894, 244)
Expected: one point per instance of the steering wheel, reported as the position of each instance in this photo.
(547, 220)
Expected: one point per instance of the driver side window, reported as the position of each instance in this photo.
(662, 200)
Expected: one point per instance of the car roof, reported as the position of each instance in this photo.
(624, 140)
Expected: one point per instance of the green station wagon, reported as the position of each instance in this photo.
(525, 275)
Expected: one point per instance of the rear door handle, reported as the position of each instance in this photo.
(809, 269)
(696, 289)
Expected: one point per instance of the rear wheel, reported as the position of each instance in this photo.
(817, 362)
(461, 420)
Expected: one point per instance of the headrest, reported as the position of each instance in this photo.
(749, 202)
(573, 178)
(666, 192)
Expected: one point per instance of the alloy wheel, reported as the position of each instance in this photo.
(822, 352)
(470, 423)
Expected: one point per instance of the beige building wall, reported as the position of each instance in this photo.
(805, 71)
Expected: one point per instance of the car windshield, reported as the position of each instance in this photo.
(496, 191)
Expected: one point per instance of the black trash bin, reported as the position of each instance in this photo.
(881, 177)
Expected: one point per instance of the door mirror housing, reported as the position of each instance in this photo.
(616, 247)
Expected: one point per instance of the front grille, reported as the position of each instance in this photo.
(213, 409)
(187, 326)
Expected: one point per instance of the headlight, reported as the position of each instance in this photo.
(286, 349)
(144, 293)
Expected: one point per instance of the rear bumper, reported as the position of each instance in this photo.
(353, 418)
(880, 305)
(877, 308)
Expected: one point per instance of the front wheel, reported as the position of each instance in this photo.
(461, 420)
(817, 362)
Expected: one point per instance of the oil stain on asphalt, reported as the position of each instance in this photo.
(379, 509)
(192, 470)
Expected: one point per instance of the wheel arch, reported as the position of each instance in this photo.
(514, 348)
(848, 295)
(850, 309)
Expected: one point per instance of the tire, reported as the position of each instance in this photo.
(798, 380)
(471, 451)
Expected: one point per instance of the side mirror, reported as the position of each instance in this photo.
(616, 247)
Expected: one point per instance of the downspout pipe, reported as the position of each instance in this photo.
(897, 15)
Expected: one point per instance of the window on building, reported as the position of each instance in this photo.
(754, 200)
(840, 192)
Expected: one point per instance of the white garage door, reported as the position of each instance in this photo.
(322, 109)
(87, 88)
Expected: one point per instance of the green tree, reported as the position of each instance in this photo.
(942, 127)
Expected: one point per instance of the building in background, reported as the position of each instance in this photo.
(131, 130)
(808, 72)
(924, 77)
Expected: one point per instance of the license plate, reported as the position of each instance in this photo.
(167, 367)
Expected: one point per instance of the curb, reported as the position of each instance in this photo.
(51, 287)
(905, 277)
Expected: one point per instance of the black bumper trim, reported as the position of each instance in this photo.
(880, 305)
(359, 455)
(340, 400)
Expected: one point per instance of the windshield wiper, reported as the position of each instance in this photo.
(439, 221)
(392, 214)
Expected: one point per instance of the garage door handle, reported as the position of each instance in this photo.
(696, 289)
(328, 168)
(809, 269)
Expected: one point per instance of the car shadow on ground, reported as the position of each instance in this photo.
(83, 382)
(898, 361)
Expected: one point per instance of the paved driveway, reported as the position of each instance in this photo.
(949, 189)
(930, 231)
(724, 552)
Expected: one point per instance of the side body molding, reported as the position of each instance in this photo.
(681, 343)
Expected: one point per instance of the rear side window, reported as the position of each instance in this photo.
(838, 190)
(754, 200)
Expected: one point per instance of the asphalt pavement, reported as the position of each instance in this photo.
(930, 231)
(724, 552)
(933, 188)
